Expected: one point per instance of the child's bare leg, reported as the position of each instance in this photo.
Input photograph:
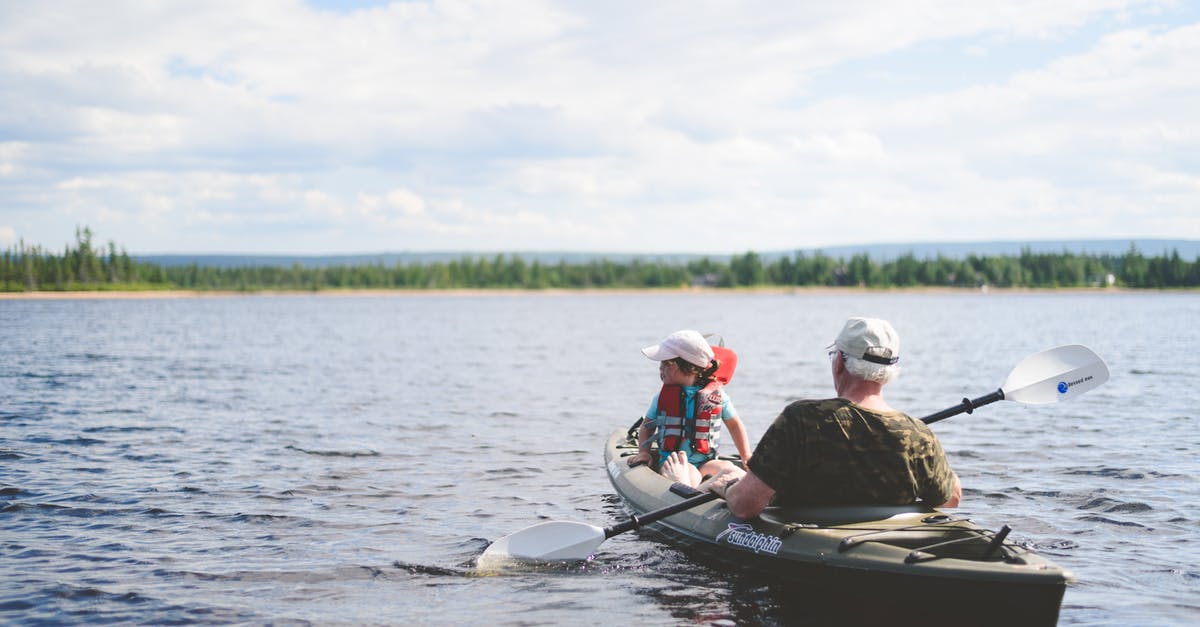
(711, 467)
(676, 467)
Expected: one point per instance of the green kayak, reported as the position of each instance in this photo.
(888, 557)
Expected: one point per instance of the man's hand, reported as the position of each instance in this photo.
(721, 481)
(746, 499)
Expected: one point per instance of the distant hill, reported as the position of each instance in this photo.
(1188, 249)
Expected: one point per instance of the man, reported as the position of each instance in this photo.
(853, 449)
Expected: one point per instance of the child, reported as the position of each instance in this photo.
(685, 416)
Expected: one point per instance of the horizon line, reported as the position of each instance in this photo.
(892, 246)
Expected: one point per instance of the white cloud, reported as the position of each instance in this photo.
(13, 156)
(398, 207)
(849, 146)
(541, 124)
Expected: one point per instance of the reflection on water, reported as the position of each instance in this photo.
(340, 459)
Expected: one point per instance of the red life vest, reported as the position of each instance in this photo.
(672, 414)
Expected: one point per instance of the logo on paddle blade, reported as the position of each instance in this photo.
(1063, 386)
(745, 536)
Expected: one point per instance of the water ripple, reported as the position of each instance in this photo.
(1111, 521)
(333, 453)
(1111, 505)
(316, 460)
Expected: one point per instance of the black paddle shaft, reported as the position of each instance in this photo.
(636, 522)
(966, 406)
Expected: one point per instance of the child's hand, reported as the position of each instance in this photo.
(642, 457)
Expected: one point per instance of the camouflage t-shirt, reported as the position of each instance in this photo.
(835, 452)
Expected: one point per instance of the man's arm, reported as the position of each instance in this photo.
(955, 496)
(745, 494)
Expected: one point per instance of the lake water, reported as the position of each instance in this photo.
(344, 459)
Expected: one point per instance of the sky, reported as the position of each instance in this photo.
(293, 127)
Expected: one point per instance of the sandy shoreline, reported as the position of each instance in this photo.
(171, 294)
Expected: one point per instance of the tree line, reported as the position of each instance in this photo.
(84, 266)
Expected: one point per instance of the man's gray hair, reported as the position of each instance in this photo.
(867, 371)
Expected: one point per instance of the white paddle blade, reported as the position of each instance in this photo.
(549, 541)
(1055, 375)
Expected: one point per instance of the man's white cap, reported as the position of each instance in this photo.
(871, 339)
(689, 345)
